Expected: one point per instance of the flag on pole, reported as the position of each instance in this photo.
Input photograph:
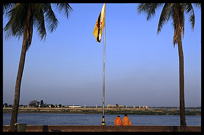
(98, 29)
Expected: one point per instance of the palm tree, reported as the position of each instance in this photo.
(22, 18)
(175, 11)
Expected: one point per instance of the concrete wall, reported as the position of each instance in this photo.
(65, 128)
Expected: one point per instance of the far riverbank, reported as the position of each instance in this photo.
(132, 111)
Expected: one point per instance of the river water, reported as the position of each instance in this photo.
(96, 119)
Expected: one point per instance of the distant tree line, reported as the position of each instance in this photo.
(35, 103)
(6, 105)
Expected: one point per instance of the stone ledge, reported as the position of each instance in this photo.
(68, 128)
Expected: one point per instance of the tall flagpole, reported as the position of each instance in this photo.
(103, 117)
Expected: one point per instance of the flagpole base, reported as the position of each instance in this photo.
(103, 124)
(103, 121)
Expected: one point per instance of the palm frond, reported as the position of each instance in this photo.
(66, 7)
(15, 24)
(39, 15)
(149, 8)
(30, 30)
(189, 9)
(181, 9)
(174, 11)
(38, 19)
(164, 17)
(7, 7)
(50, 17)
(178, 22)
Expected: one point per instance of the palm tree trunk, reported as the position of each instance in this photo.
(17, 88)
(181, 84)
(20, 73)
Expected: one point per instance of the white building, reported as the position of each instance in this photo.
(75, 106)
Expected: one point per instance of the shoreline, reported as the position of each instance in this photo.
(116, 111)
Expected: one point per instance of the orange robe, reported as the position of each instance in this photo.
(126, 121)
(117, 121)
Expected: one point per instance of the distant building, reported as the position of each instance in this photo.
(5, 105)
(142, 107)
(115, 106)
(74, 106)
(135, 106)
(50, 105)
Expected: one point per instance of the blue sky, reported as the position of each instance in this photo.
(141, 66)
